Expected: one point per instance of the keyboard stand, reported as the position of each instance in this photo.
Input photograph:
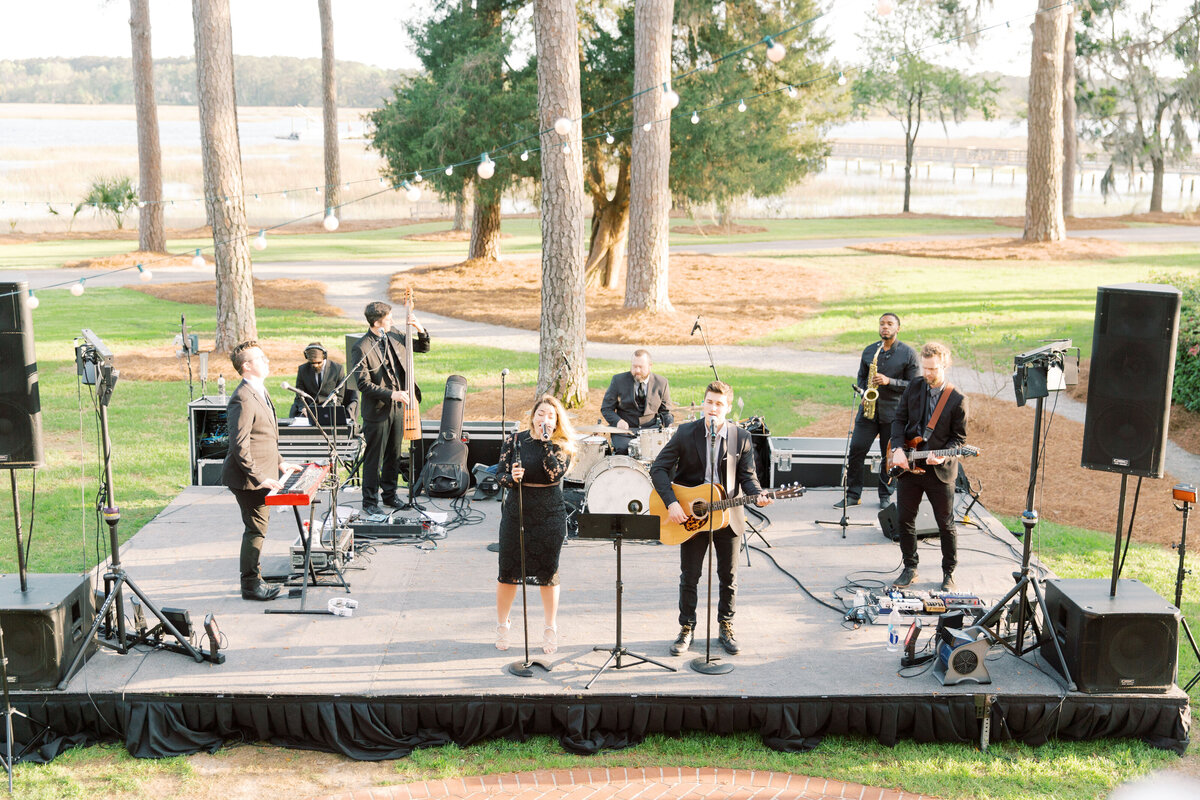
(309, 570)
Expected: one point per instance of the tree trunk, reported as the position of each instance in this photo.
(152, 235)
(222, 156)
(610, 226)
(1070, 134)
(485, 229)
(562, 366)
(646, 285)
(460, 210)
(1158, 163)
(333, 167)
(908, 158)
(1044, 165)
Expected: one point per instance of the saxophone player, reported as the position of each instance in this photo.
(884, 371)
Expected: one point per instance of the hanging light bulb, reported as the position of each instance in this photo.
(197, 259)
(841, 79)
(695, 117)
(140, 204)
(608, 138)
(775, 51)
(670, 96)
(331, 221)
(284, 194)
(566, 148)
(317, 189)
(486, 168)
(413, 193)
(144, 274)
(791, 92)
(418, 177)
(450, 170)
(34, 302)
(742, 105)
(524, 155)
(77, 289)
(562, 126)
(260, 241)
(883, 7)
(647, 126)
(256, 197)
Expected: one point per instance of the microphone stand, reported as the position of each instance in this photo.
(709, 665)
(523, 669)
(711, 363)
(845, 522)
(494, 547)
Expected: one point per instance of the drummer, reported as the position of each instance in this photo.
(635, 400)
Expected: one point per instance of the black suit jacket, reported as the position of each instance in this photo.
(253, 456)
(331, 375)
(682, 461)
(912, 415)
(376, 379)
(620, 401)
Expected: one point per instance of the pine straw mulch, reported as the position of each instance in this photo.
(445, 236)
(283, 294)
(1000, 249)
(1119, 221)
(508, 293)
(161, 364)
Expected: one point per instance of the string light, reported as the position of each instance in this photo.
(775, 51)
(197, 259)
(260, 241)
(34, 302)
(145, 274)
(524, 155)
(792, 93)
(418, 177)
(413, 193)
(331, 221)
(670, 96)
(695, 117)
(647, 126)
(608, 138)
(450, 170)
(77, 288)
(841, 79)
(566, 148)
(562, 126)
(742, 106)
(486, 168)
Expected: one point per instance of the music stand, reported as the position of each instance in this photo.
(617, 528)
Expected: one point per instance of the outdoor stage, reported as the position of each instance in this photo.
(416, 664)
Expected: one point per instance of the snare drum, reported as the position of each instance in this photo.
(649, 443)
(589, 451)
(616, 482)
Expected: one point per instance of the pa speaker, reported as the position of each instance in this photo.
(20, 407)
(44, 626)
(1132, 373)
(1126, 643)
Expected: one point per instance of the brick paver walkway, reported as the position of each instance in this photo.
(668, 783)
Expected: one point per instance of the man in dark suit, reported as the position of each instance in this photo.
(636, 399)
(917, 407)
(378, 359)
(318, 377)
(253, 465)
(698, 453)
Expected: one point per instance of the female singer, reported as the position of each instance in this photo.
(537, 459)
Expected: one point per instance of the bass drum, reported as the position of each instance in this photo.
(589, 451)
(615, 484)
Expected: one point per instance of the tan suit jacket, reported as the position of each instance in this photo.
(253, 456)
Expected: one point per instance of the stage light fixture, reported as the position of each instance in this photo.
(180, 618)
(1184, 493)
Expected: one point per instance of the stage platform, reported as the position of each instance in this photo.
(416, 664)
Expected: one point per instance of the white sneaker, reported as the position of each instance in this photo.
(502, 632)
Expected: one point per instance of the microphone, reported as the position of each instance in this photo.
(856, 389)
(695, 327)
(712, 429)
(545, 433)
(288, 387)
(504, 372)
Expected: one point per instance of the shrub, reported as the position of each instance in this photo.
(114, 196)
(1187, 354)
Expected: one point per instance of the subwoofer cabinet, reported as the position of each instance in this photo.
(44, 626)
(1126, 643)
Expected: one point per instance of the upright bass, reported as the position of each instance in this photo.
(412, 409)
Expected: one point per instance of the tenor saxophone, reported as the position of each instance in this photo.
(871, 395)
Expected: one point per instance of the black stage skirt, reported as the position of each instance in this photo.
(545, 529)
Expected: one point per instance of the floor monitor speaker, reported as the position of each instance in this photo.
(44, 626)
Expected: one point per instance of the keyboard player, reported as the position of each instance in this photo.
(253, 465)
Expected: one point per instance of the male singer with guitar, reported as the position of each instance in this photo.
(378, 358)
(936, 413)
(636, 399)
(698, 453)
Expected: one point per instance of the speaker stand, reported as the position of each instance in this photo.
(1179, 578)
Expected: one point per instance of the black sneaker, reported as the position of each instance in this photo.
(373, 511)
(849, 501)
(948, 582)
(727, 641)
(884, 502)
(683, 641)
(906, 577)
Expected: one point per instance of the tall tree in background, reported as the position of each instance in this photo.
(468, 102)
(1141, 85)
(1044, 153)
(223, 190)
(899, 80)
(333, 166)
(1070, 132)
(562, 369)
(647, 285)
(152, 236)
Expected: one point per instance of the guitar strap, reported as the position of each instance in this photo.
(937, 411)
(737, 515)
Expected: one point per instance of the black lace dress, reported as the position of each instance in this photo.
(545, 511)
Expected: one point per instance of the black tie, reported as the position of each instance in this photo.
(641, 396)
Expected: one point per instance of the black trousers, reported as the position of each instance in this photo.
(866, 431)
(941, 497)
(255, 517)
(692, 558)
(382, 457)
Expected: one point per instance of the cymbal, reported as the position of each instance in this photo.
(599, 429)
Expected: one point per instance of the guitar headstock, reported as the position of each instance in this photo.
(968, 450)
(788, 491)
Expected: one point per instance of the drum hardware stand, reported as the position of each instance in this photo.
(523, 669)
(709, 665)
(95, 363)
(618, 527)
(1185, 493)
(845, 522)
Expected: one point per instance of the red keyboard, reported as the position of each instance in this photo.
(299, 487)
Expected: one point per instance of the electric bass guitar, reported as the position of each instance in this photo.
(694, 500)
(912, 454)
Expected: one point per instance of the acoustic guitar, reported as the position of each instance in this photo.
(694, 500)
(913, 454)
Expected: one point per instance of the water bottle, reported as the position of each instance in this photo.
(894, 623)
(221, 387)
